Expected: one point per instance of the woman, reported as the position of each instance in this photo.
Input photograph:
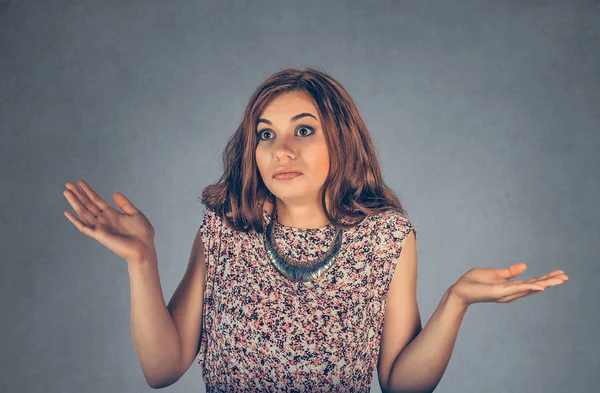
(296, 280)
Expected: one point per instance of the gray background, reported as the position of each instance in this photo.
(485, 116)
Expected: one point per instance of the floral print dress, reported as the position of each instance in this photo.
(264, 333)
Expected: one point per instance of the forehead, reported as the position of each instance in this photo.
(288, 104)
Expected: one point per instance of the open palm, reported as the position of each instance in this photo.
(127, 233)
(496, 285)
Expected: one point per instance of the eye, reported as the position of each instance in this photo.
(300, 128)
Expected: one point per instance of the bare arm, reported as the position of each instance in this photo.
(421, 365)
(166, 338)
(154, 333)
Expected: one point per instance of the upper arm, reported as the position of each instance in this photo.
(402, 322)
(186, 304)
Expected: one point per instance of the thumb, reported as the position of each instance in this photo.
(513, 270)
(124, 203)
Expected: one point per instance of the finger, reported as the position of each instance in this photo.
(124, 203)
(552, 280)
(511, 298)
(555, 280)
(85, 215)
(552, 274)
(517, 287)
(512, 271)
(92, 197)
(83, 199)
(80, 225)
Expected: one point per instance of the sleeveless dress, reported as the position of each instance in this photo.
(264, 333)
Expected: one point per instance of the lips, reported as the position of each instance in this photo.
(286, 175)
(288, 172)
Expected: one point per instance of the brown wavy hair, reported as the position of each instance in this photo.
(354, 183)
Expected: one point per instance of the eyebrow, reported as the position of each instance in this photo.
(298, 116)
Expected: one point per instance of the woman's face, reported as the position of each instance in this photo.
(290, 136)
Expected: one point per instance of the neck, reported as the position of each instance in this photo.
(298, 216)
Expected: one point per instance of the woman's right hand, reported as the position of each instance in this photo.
(128, 234)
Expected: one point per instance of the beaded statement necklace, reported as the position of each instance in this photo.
(299, 270)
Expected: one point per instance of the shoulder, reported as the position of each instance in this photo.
(210, 221)
(392, 231)
(397, 224)
(210, 216)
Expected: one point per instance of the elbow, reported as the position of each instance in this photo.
(406, 391)
(156, 384)
(159, 383)
(161, 377)
(386, 389)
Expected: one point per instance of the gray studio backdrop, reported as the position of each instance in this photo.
(485, 116)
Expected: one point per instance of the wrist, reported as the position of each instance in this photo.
(455, 300)
(145, 262)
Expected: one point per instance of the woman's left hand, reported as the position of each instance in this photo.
(495, 285)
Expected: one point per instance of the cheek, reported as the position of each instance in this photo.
(321, 162)
(261, 162)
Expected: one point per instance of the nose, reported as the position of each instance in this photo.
(284, 148)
